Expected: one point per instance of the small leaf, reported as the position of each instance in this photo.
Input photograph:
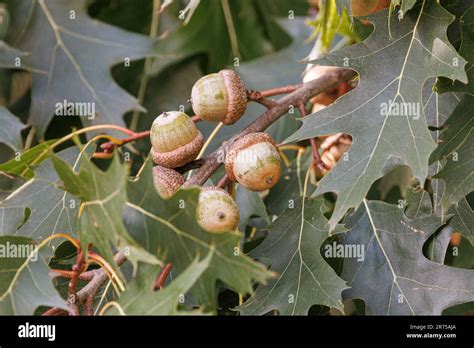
(10, 131)
(24, 164)
(250, 204)
(466, 49)
(25, 283)
(51, 210)
(463, 219)
(140, 299)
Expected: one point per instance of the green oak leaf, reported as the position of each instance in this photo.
(455, 180)
(25, 283)
(292, 248)
(290, 187)
(466, 49)
(12, 58)
(250, 204)
(457, 129)
(405, 5)
(103, 195)
(75, 54)
(24, 164)
(416, 50)
(395, 277)
(437, 107)
(10, 132)
(463, 219)
(140, 299)
(458, 175)
(168, 228)
(51, 210)
(209, 32)
(419, 204)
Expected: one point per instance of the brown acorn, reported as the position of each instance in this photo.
(254, 162)
(175, 139)
(216, 211)
(167, 181)
(219, 97)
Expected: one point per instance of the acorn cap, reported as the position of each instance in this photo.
(243, 143)
(167, 181)
(236, 96)
(216, 211)
(180, 156)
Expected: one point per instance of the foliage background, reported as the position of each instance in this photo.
(271, 39)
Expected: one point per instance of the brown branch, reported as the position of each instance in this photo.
(109, 146)
(223, 182)
(161, 279)
(77, 269)
(100, 277)
(257, 97)
(327, 81)
(280, 90)
(89, 305)
(86, 276)
(55, 311)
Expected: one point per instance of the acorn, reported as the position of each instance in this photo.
(167, 181)
(216, 211)
(219, 97)
(175, 139)
(254, 162)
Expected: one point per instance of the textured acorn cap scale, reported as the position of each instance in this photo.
(216, 211)
(219, 97)
(167, 181)
(254, 161)
(175, 139)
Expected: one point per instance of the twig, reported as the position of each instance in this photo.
(86, 276)
(300, 96)
(257, 97)
(55, 311)
(100, 277)
(317, 159)
(89, 305)
(223, 182)
(161, 279)
(280, 90)
(77, 269)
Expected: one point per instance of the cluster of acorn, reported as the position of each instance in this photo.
(253, 160)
